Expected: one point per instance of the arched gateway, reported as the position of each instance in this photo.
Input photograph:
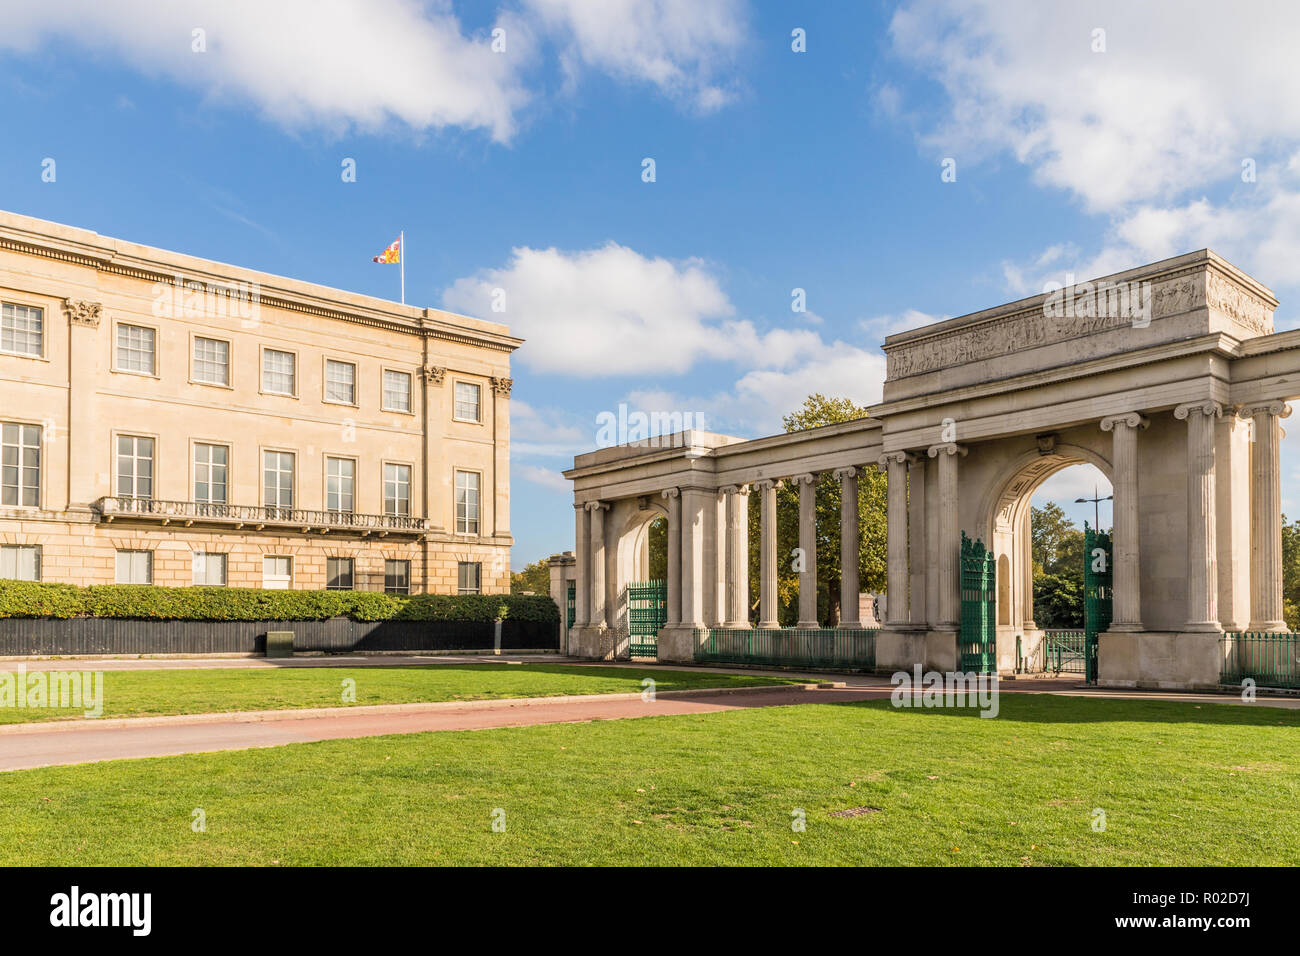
(1169, 378)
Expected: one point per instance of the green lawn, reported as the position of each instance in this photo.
(141, 693)
(1179, 784)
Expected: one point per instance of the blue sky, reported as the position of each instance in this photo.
(774, 170)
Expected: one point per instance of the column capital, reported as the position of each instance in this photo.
(597, 506)
(1274, 406)
(1210, 409)
(947, 448)
(1131, 419)
(670, 492)
(852, 471)
(807, 479)
(767, 484)
(734, 490)
(898, 457)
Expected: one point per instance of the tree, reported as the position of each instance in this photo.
(818, 410)
(1057, 547)
(534, 578)
(1291, 573)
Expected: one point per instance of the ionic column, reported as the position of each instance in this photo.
(674, 596)
(692, 571)
(849, 547)
(737, 560)
(949, 533)
(767, 613)
(916, 538)
(808, 545)
(596, 509)
(1266, 515)
(581, 549)
(896, 583)
(1202, 546)
(1126, 584)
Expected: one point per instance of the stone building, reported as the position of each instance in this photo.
(165, 419)
(1169, 378)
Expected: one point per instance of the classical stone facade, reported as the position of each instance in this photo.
(1168, 378)
(171, 420)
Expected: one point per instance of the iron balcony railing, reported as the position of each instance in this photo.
(257, 517)
(1270, 659)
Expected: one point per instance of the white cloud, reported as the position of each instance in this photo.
(883, 325)
(755, 404)
(331, 63)
(548, 478)
(681, 47)
(342, 64)
(612, 311)
(1077, 481)
(1184, 91)
(548, 433)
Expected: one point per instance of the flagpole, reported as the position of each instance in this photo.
(401, 261)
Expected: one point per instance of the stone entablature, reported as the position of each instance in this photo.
(1168, 301)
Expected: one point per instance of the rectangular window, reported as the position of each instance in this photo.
(340, 477)
(211, 361)
(134, 567)
(341, 382)
(469, 577)
(211, 463)
(397, 577)
(278, 374)
(277, 479)
(397, 391)
(209, 568)
(467, 402)
(134, 467)
(20, 465)
(135, 349)
(339, 574)
(277, 572)
(21, 329)
(467, 511)
(397, 490)
(20, 562)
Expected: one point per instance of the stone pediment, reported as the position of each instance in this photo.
(1176, 299)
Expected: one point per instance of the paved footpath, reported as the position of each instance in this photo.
(24, 746)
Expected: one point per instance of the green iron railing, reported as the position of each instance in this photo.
(977, 642)
(647, 612)
(1065, 651)
(849, 648)
(1269, 659)
(572, 603)
(1098, 593)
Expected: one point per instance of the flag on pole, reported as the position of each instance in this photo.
(392, 254)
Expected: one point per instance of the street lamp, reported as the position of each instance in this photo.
(1096, 505)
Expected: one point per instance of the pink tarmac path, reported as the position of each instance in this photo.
(25, 746)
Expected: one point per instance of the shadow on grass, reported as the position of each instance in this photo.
(1060, 709)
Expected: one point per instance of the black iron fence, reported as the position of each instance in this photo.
(47, 636)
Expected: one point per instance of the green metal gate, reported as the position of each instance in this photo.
(1098, 557)
(572, 603)
(977, 643)
(647, 611)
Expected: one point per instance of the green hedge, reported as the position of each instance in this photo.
(144, 602)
